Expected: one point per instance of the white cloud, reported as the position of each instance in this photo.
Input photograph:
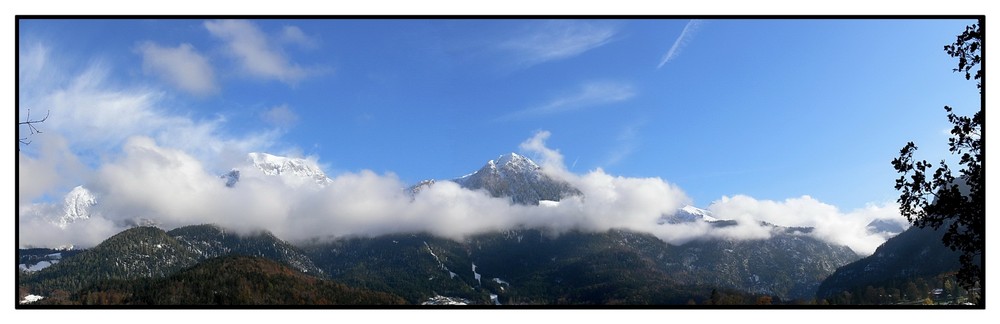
(149, 182)
(685, 37)
(257, 55)
(588, 94)
(830, 224)
(182, 67)
(556, 40)
(32, 60)
(280, 116)
(47, 171)
(551, 160)
(91, 123)
(96, 116)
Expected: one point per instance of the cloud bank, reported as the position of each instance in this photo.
(149, 183)
(829, 223)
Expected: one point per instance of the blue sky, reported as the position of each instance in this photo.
(768, 108)
(789, 121)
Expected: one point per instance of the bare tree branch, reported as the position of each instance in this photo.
(31, 126)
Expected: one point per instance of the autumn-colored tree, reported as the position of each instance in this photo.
(764, 300)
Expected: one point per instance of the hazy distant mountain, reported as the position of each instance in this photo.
(888, 227)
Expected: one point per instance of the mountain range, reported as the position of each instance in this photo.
(513, 266)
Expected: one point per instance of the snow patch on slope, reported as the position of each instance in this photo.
(31, 299)
(37, 266)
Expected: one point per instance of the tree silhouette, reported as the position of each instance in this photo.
(941, 199)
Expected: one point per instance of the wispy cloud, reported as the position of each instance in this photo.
(280, 116)
(628, 141)
(587, 95)
(257, 54)
(295, 35)
(182, 67)
(556, 40)
(686, 35)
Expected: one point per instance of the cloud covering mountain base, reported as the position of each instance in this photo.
(170, 188)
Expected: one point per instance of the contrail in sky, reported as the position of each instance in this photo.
(681, 41)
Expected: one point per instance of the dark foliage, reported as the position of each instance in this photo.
(941, 199)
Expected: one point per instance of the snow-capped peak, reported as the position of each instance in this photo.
(77, 206)
(695, 210)
(518, 178)
(704, 214)
(688, 214)
(279, 165)
(515, 161)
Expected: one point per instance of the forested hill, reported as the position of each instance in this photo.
(914, 256)
(229, 280)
